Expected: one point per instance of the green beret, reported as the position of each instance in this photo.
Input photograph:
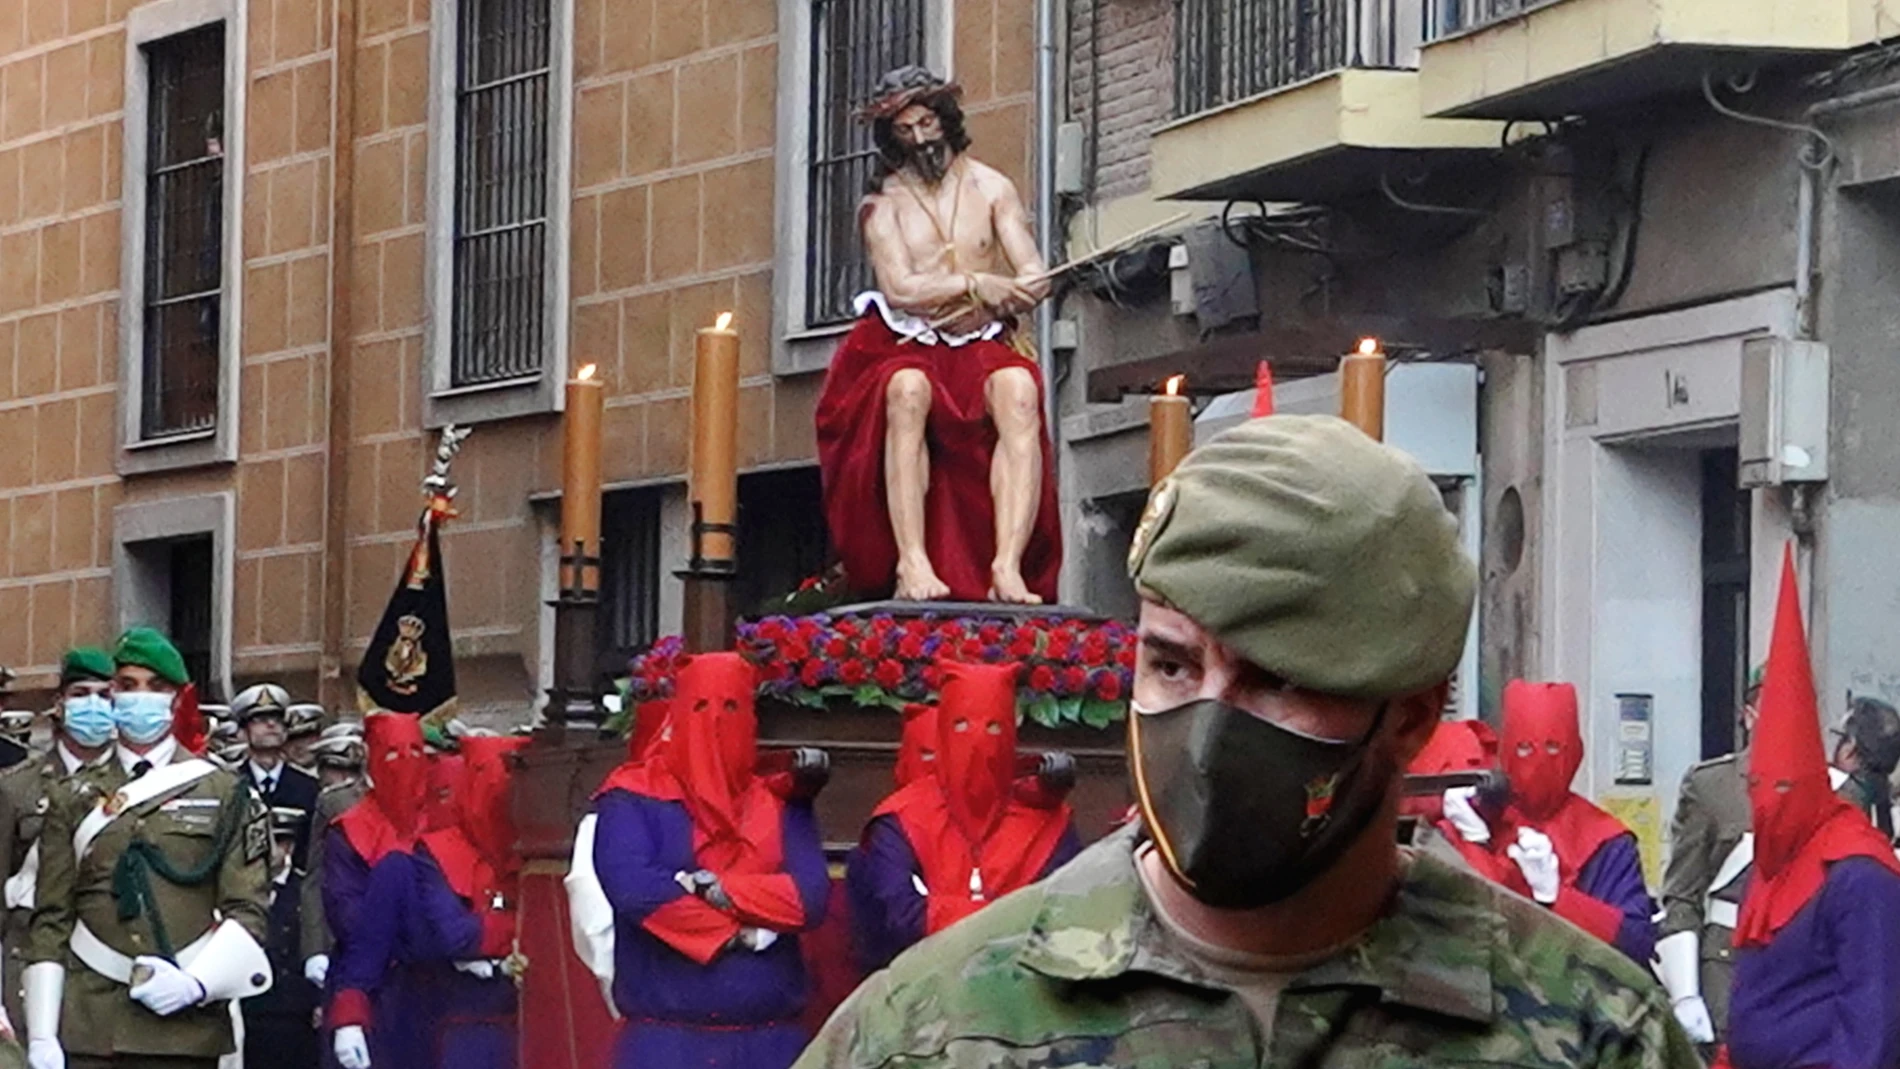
(145, 647)
(85, 662)
(1320, 555)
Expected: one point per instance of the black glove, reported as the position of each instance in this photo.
(1057, 772)
(811, 771)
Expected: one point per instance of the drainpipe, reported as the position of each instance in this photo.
(334, 685)
(1046, 221)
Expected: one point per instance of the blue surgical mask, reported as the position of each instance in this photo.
(143, 716)
(89, 719)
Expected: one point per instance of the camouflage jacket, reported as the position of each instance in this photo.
(1076, 971)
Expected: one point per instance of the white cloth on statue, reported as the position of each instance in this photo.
(916, 328)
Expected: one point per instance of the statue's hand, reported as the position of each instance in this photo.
(1004, 296)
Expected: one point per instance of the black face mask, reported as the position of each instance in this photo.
(1247, 813)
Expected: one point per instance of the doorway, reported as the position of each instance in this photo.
(1725, 571)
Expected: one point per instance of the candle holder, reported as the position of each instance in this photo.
(572, 701)
(706, 625)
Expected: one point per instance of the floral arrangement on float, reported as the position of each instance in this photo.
(1074, 671)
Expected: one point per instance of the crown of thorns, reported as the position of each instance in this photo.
(901, 88)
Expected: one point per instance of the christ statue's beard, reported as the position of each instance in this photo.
(931, 160)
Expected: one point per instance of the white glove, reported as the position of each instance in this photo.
(757, 940)
(352, 1050)
(480, 969)
(45, 1054)
(1537, 859)
(316, 968)
(170, 988)
(1693, 1014)
(1464, 816)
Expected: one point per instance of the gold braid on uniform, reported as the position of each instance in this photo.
(132, 880)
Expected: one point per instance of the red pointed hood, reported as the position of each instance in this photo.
(390, 816)
(714, 739)
(442, 801)
(1263, 390)
(487, 807)
(1456, 746)
(917, 748)
(1542, 747)
(649, 720)
(976, 743)
(1800, 826)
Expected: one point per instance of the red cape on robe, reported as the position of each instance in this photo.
(959, 513)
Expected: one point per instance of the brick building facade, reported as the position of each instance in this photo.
(253, 252)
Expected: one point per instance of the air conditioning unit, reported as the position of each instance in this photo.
(1784, 412)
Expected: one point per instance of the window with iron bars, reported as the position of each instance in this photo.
(184, 234)
(501, 191)
(853, 43)
(1229, 50)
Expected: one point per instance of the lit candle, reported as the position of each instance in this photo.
(1362, 388)
(1170, 430)
(714, 480)
(580, 484)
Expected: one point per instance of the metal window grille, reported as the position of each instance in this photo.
(189, 566)
(184, 233)
(629, 570)
(853, 43)
(1457, 16)
(501, 190)
(1229, 50)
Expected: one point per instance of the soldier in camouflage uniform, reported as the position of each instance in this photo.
(82, 737)
(150, 904)
(1305, 601)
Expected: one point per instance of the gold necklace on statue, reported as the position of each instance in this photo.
(930, 212)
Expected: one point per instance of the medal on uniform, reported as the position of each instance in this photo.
(114, 804)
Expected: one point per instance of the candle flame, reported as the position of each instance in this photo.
(1368, 347)
(587, 372)
(724, 322)
(1173, 386)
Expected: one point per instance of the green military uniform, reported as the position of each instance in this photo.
(188, 826)
(1079, 971)
(332, 803)
(25, 793)
(1712, 819)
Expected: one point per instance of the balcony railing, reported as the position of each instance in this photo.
(1229, 50)
(1457, 16)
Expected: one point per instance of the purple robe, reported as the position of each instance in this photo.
(412, 928)
(740, 1011)
(1826, 990)
(887, 909)
(1614, 875)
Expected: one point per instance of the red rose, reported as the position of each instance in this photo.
(911, 648)
(970, 650)
(847, 628)
(1042, 678)
(853, 673)
(1108, 686)
(1075, 680)
(1060, 643)
(778, 671)
(836, 648)
(1126, 658)
(883, 625)
(990, 634)
(808, 628)
(950, 630)
(917, 628)
(932, 676)
(771, 630)
(812, 674)
(889, 674)
(871, 648)
(795, 650)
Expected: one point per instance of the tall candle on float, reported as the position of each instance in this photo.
(580, 482)
(1170, 430)
(1362, 388)
(714, 479)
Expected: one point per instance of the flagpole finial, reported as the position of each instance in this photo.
(449, 444)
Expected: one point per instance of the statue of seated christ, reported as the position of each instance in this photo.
(938, 472)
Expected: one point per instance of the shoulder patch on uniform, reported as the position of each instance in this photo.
(256, 840)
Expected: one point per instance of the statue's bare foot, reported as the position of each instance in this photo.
(1007, 586)
(917, 581)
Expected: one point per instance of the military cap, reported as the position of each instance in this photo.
(342, 751)
(16, 723)
(85, 662)
(146, 647)
(304, 718)
(224, 731)
(264, 699)
(347, 729)
(233, 754)
(1319, 554)
(216, 714)
(286, 821)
